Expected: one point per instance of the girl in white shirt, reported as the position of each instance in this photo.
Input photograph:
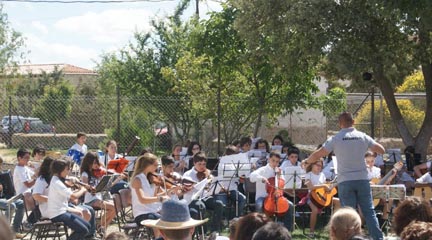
(89, 164)
(314, 179)
(40, 194)
(147, 198)
(58, 197)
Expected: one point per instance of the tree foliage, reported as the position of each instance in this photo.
(10, 42)
(346, 38)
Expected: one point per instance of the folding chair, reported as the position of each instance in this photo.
(250, 189)
(43, 228)
(123, 202)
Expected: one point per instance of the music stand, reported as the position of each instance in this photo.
(293, 182)
(234, 166)
(233, 170)
(388, 192)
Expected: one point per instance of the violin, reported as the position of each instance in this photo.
(160, 181)
(275, 203)
(100, 172)
(73, 183)
(203, 175)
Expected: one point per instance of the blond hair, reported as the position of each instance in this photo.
(344, 224)
(143, 162)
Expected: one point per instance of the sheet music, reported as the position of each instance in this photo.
(235, 158)
(289, 173)
(131, 164)
(277, 148)
(200, 187)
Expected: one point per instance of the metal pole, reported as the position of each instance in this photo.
(373, 112)
(381, 124)
(197, 8)
(219, 110)
(118, 115)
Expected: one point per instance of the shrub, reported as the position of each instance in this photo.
(413, 118)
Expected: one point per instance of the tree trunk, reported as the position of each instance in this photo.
(387, 91)
(422, 139)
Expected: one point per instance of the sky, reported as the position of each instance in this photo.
(80, 33)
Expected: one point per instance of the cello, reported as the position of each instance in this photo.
(275, 203)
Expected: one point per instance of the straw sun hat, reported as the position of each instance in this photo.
(174, 215)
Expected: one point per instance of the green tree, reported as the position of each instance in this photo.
(247, 81)
(346, 38)
(55, 104)
(10, 42)
(136, 70)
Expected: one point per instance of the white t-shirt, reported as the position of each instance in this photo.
(88, 197)
(41, 187)
(80, 148)
(426, 178)
(21, 175)
(374, 172)
(287, 163)
(108, 158)
(149, 190)
(192, 175)
(58, 197)
(315, 179)
(258, 175)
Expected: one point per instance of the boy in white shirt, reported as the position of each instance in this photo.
(23, 177)
(79, 149)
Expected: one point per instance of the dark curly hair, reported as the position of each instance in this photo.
(417, 231)
(249, 224)
(409, 210)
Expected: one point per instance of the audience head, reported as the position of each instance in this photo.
(417, 231)
(248, 224)
(272, 231)
(232, 228)
(412, 208)
(5, 230)
(344, 224)
(175, 221)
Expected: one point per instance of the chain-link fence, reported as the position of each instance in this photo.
(160, 123)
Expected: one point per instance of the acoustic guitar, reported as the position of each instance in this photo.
(321, 198)
(423, 191)
(396, 168)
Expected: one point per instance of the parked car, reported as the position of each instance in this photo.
(22, 124)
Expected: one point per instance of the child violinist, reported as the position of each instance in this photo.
(147, 198)
(89, 164)
(314, 179)
(40, 194)
(59, 195)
